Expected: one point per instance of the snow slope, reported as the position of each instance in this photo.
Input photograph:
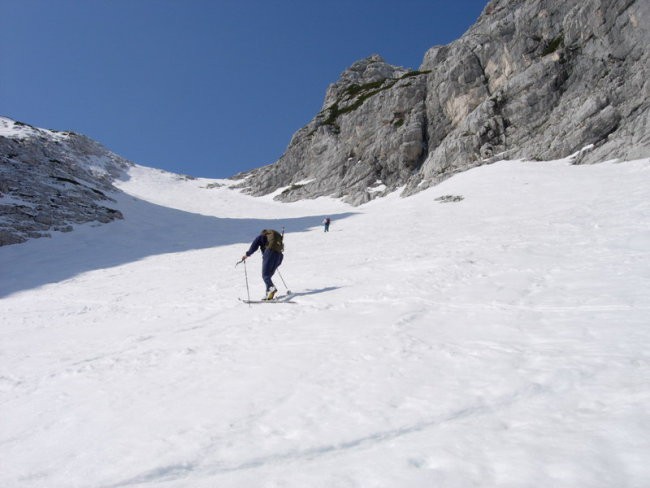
(498, 341)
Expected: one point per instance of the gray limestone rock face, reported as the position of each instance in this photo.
(532, 79)
(51, 180)
(535, 79)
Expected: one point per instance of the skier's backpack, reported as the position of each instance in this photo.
(274, 240)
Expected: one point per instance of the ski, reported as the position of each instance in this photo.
(277, 299)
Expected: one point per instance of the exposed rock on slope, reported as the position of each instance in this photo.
(51, 180)
(535, 79)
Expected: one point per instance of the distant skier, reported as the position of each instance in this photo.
(326, 224)
(270, 244)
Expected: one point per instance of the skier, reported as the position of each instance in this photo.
(270, 244)
(326, 224)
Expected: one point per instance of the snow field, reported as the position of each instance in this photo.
(497, 341)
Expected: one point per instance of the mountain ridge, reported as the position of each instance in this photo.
(531, 80)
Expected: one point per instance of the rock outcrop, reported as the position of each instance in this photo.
(51, 180)
(534, 79)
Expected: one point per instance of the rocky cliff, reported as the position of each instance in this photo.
(50, 180)
(534, 79)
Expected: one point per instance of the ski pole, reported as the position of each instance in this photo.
(280, 274)
(248, 292)
(284, 283)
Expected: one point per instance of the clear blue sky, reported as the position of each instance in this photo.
(202, 87)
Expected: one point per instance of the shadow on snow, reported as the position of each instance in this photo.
(314, 291)
(147, 230)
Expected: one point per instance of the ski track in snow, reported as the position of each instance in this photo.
(500, 340)
(174, 472)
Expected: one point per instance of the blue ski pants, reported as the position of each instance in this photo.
(271, 260)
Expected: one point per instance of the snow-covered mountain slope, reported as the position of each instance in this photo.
(498, 340)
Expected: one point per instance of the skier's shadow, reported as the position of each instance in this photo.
(314, 292)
